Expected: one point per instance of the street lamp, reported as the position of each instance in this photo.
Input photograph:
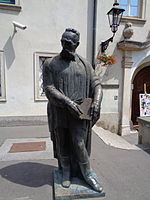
(114, 17)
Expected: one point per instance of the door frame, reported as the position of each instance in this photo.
(136, 71)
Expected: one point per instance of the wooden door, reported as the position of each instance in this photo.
(143, 76)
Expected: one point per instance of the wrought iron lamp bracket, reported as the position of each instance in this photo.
(104, 45)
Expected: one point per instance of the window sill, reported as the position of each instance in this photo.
(134, 20)
(10, 7)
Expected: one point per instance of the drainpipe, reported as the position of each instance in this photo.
(94, 32)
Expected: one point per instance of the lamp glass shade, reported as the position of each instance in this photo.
(114, 17)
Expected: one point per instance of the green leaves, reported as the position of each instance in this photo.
(105, 59)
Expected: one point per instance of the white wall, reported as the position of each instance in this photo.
(114, 74)
(46, 21)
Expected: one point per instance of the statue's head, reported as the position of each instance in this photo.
(70, 39)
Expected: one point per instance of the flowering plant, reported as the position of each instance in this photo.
(107, 60)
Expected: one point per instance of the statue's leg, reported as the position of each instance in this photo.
(62, 140)
(65, 163)
(83, 158)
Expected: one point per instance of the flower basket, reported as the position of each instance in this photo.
(107, 60)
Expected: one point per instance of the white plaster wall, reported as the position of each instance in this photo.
(109, 75)
(114, 75)
(141, 32)
(46, 21)
(112, 101)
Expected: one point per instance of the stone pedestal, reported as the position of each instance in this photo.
(77, 190)
(144, 130)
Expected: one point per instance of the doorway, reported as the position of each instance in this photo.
(141, 78)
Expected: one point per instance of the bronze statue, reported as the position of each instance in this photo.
(72, 87)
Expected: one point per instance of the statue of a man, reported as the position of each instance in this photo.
(68, 81)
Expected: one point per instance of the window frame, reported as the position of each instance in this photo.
(129, 8)
(137, 19)
(9, 2)
(2, 75)
(37, 74)
(9, 6)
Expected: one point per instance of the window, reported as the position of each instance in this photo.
(132, 7)
(135, 11)
(10, 5)
(2, 78)
(39, 59)
(8, 1)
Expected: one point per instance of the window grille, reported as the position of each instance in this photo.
(40, 58)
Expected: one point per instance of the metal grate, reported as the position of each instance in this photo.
(27, 147)
(41, 61)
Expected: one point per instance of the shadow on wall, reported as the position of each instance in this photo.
(107, 73)
(29, 174)
(9, 52)
(111, 79)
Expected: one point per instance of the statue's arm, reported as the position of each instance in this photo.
(97, 96)
(54, 95)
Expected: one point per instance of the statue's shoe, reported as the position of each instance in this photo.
(66, 183)
(66, 178)
(93, 183)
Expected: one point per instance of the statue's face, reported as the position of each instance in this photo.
(69, 41)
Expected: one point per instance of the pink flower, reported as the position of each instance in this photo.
(107, 60)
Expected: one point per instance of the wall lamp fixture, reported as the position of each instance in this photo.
(114, 17)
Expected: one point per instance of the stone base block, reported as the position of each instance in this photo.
(144, 130)
(77, 190)
(125, 130)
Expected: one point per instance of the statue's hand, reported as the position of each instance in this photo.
(74, 109)
(95, 112)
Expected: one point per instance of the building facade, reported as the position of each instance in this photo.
(23, 51)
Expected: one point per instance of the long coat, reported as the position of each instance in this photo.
(77, 81)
